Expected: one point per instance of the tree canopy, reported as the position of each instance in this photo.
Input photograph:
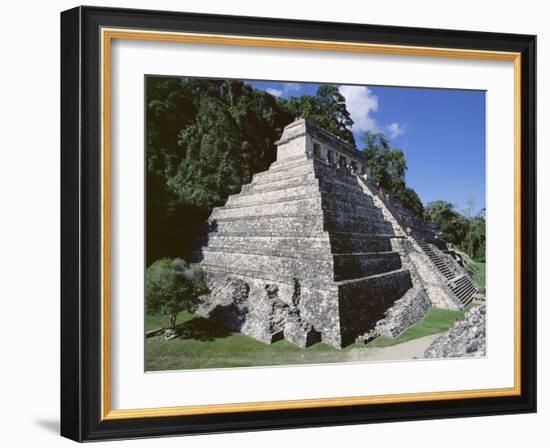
(172, 286)
(465, 232)
(327, 109)
(388, 167)
(205, 139)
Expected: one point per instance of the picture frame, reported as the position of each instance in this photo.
(86, 37)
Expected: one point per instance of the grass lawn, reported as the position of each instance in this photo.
(203, 344)
(435, 321)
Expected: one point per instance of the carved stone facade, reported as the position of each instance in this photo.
(309, 251)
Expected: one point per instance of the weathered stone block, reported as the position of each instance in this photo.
(362, 303)
(227, 303)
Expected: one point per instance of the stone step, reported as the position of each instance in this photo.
(398, 274)
(360, 208)
(305, 205)
(350, 242)
(285, 265)
(352, 209)
(462, 279)
(302, 224)
(465, 294)
(466, 288)
(338, 239)
(344, 189)
(344, 195)
(344, 185)
(361, 219)
(336, 222)
(293, 181)
(277, 223)
(462, 282)
(288, 160)
(306, 244)
(348, 266)
(282, 173)
(339, 183)
(286, 194)
(458, 290)
(221, 271)
(466, 300)
(349, 197)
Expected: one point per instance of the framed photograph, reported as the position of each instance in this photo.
(273, 223)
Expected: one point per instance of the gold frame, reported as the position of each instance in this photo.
(107, 35)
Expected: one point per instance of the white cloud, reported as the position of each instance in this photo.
(284, 89)
(395, 130)
(361, 103)
(274, 92)
(289, 87)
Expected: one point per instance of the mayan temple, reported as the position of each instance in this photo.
(311, 250)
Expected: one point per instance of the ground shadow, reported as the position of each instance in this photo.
(49, 425)
(201, 329)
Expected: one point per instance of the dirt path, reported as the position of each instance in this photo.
(406, 350)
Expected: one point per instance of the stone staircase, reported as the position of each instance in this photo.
(456, 279)
(458, 282)
(379, 204)
(436, 259)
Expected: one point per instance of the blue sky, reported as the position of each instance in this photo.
(441, 132)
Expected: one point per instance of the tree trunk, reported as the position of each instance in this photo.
(173, 322)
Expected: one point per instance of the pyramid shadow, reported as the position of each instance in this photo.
(201, 329)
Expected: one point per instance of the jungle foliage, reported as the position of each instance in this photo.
(388, 167)
(205, 138)
(464, 230)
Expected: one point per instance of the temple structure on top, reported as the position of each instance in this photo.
(311, 250)
(304, 137)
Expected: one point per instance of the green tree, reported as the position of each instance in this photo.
(465, 231)
(205, 139)
(410, 199)
(474, 244)
(388, 168)
(172, 286)
(327, 109)
(452, 225)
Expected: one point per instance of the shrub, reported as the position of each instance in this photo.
(172, 286)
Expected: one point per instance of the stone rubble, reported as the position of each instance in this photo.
(466, 338)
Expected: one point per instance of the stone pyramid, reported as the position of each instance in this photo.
(304, 252)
